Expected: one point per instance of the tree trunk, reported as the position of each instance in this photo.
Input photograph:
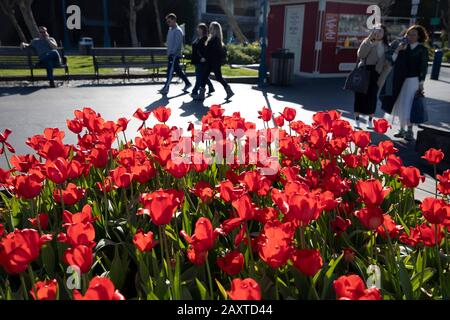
(158, 22)
(8, 10)
(28, 17)
(232, 21)
(132, 21)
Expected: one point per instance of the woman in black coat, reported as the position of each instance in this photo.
(214, 56)
(198, 58)
(408, 77)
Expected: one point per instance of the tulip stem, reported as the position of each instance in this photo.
(277, 293)
(435, 182)
(33, 286)
(6, 157)
(25, 293)
(166, 249)
(208, 271)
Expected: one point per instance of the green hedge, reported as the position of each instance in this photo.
(237, 53)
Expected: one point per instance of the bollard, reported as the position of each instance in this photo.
(438, 55)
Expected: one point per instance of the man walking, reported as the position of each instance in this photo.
(45, 47)
(174, 53)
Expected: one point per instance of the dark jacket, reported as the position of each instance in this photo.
(214, 52)
(409, 63)
(198, 50)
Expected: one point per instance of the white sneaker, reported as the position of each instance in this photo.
(357, 124)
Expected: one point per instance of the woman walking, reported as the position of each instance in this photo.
(214, 57)
(371, 53)
(410, 70)
(198, 58)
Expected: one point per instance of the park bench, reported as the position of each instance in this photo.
(126, 58)
(16, 58)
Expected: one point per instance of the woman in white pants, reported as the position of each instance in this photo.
(411, 66)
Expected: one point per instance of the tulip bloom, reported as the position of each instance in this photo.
(275, 243)
(433, 156)
(244, 289)
(411, 177)
(289, 114)
(371, 192)
(144, 241)
(100, 288)
(3, 137)
(370, 217)
(444, 182)
(18, 249)
(308, 261)
(45, 290)
(352, 287)
(80, 257)
(232, 263)
(265, 114)
(71, 195)
(381, 126)
(435, 210)
(161, 205)
(162, 114)
(203, 238)
(393, 229)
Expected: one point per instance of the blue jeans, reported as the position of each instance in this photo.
(199, 70)
(50, 60)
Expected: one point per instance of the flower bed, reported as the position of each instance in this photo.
(306, 212)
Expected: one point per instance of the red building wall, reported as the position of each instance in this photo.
(276, 30)
(330, 59)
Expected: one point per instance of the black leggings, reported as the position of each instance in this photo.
(216, 69)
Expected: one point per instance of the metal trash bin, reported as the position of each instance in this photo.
(281, 67)
(85, 46)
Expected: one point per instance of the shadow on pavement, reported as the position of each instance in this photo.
(23, 91)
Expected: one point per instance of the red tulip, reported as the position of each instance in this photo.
(100, 288)
(71, 195)
(121, 177)
(361, 138)
(244, 207)
(143, 173)
(57, 170)
(144, 241)
(352, 287)
(433, 156)
(161, 205)
(24, 163)
(392, 166)
(289, 114)
(99, 156)
(53, 149)
(370, 217)
(122, 123)
(76, 126)
(444, 182)
(196, 257)
(371, 192)
(81, 234)
(304, 208)
(45, 290)
(244, 289)
(381, 125)
(340, 225)
(80, 257)
(203, 190)
(27, 186)
(265, 114)
(162, 114)
(3, 137)
(435, 210)
(308, 261)
(275, 243)
(85, 216)
(18, 249)
(43, 221)
(410, 177)
(375, 154)
(232, 263)
(141, 115)
(203, 238)
(393, 229)
(279, 121)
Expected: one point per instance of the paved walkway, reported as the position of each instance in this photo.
(28, 110)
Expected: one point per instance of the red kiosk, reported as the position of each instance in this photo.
(324, 35)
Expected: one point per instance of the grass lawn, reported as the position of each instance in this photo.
(84, 65)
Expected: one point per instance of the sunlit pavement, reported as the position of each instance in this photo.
(29, 110)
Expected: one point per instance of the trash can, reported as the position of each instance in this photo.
(85, 46)
(281, 67)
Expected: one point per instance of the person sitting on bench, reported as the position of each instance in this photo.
(45, 47)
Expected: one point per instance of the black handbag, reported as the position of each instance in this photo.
(358, 80)
(419, 112)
